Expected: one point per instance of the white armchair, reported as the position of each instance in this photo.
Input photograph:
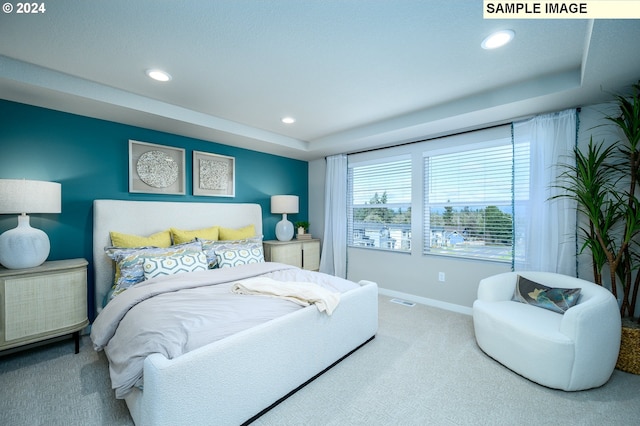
(574, 351)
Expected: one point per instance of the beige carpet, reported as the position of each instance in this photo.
(423, 368)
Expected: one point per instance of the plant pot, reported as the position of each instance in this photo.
(300, 230)
(629, 357)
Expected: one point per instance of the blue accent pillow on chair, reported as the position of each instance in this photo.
(555, 299)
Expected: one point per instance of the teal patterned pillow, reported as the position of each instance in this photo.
(555, 299)
(171, 265)
(129, 262)
(227, 258)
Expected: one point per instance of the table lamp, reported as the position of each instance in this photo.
(284, 204)
(24, 246)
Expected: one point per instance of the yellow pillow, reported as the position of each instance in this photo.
(180, 236)
(160, 239)
(237, 234)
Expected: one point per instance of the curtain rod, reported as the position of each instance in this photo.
(498, 124)
(434, 138)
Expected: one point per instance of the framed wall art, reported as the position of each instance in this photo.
(213, 175)
(156, 169)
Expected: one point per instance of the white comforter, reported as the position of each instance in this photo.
(176, 314)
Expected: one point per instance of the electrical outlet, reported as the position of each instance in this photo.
(441, 276)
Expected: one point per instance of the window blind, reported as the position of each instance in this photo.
(468, 201)
(379, 204)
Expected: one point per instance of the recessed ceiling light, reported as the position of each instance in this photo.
(158, 75)
(288, 120)
(498, 39)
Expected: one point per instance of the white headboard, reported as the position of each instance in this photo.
(147, 217)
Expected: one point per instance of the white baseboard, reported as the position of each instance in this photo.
(426, 301)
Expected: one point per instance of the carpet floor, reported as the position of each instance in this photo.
(423, 368)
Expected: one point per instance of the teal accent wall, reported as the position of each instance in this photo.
(90, 158)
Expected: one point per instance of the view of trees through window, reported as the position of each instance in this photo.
(381, 213)
(380, 205)
(468, 201)
(378, 225)
(485, 232)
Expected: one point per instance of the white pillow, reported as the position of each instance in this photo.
(170, 265)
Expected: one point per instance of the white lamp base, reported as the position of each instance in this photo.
(284, 229)
(23, 246)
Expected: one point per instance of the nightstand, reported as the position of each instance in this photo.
(40, 303)
(304, 254)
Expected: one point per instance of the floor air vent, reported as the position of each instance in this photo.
(403, 302)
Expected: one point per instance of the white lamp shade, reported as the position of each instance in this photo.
(284, 204)
(29, 196)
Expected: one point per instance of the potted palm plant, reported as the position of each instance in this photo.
(604, 183)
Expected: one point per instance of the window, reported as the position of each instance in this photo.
(379, 204)
(463, 189)
(468, 200)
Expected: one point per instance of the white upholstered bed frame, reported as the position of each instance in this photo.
(231, 381)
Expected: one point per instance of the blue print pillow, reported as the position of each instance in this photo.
(171, 265)
(130, 262)
(227, 258)
(555, 299)
(211, 248)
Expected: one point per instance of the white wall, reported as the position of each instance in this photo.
(316, 197)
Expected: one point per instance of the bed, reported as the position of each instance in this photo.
(233, 380)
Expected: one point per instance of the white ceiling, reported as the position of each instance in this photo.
(355, 74)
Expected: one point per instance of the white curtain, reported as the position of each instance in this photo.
(545, 228)
(334, 248)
